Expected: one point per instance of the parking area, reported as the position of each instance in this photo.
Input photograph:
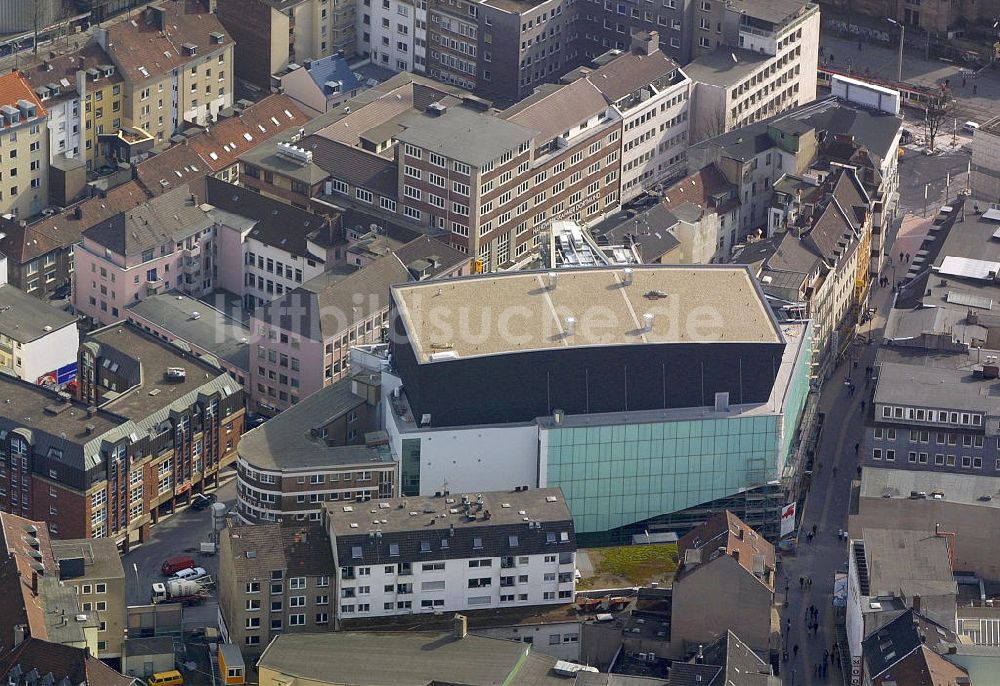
(180, 533)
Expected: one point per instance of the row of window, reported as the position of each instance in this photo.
(940, 460)
(920, 414)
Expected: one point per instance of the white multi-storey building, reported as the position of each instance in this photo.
(389, 30)
(450, 553)
(772, 70)
(654, 115)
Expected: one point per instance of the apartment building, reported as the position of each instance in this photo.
(819, 263)
(393, 33)
(177, 64)
(38, 342)
(318, 451)
(94, 568)
(303, 338)
(725, 580)
(83, 93)
(451, 553)
(24, 148)
(271, 34)
(274, 579)
(273, 248)
(41, 255)
(107, 466)
(160, 245)
(62, 578)
(765, 65)
(322, 84)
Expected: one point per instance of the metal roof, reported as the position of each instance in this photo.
(969, 268)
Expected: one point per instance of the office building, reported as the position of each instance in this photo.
(764, 63)
(315, 452)
(196, 327)
(38, 342)
(24, 188)
(938, 337)
(111, 464)
(274, 580)
(450, 553)
(176, 60)
(593, 413)
(486, 181)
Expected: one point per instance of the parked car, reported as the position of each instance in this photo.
(202, 500)
(175, 564)
(970, 127)
(192, 574)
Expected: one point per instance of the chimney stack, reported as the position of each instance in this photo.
(460, 626)
(916, 603)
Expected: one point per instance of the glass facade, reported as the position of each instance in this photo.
(795, 400)
(616, 475)
(410, 467)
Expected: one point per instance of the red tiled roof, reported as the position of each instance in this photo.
(138, 43)
(922, 667)
(24, 243)
(697, 189)
(220, 145)
(24, 606)
(65, 68)
(13, 87)
(726, 530)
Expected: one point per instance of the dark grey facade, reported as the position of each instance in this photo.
(584, 380)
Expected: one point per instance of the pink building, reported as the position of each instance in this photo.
(302, 341)
(163, 244)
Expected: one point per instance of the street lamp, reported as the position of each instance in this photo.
(902, 33)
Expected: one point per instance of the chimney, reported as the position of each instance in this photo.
(916, 603)
(19, 634)
(645, 42)
(699, 659)
(460, 626)
(34, 584)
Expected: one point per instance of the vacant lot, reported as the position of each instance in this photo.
(632, 565)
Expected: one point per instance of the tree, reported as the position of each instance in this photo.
(937, 115)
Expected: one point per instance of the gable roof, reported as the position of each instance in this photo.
(62, 71)
(14, 87)
(727, 532)
(554, 109)
(629, 72)
(275, 223)
(889, 644)
(333, 68)
(697, 189)
(152, 223)
(141, 45)
(61, 661)
(922, 667)
(24, 243)
(171, 168)
(221, 144)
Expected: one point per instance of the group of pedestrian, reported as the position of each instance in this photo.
(883, 281)
(805, 582)
(904, 257)
(850, 388)
(819, 670)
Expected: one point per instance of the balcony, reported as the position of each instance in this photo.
(155, 286)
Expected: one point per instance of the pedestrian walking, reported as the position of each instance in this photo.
(835, 471)
(795, 650)
(857, 447)
(862, 406)
(802, 581)
(809, 581)
(814, 526)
